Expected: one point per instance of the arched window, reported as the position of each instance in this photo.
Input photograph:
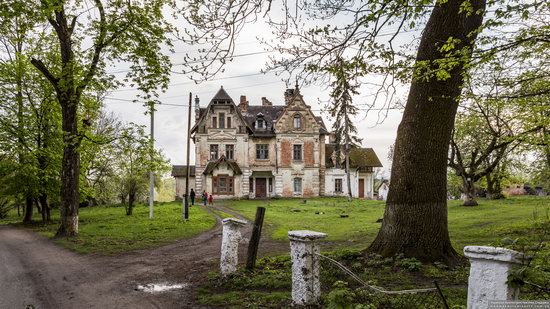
(297, 121)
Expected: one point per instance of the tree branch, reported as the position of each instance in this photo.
(44, 70)
(98, 48)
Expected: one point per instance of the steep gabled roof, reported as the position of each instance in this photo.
(181, 170)
(359, 157)
(220, 96)
(270, 114)
(323, 130)
(232, 164)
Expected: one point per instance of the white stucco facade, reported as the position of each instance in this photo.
(362, 184)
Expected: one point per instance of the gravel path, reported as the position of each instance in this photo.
(36, 271)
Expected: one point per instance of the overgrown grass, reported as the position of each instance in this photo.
(487, 224)
(479, 225)
(269, 285)
(107, 230)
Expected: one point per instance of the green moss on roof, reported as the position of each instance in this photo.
(361, 157)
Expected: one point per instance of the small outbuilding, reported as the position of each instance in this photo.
(179, 172)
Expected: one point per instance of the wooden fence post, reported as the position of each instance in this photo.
(255, 239)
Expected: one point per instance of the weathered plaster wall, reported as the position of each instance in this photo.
(180, 185)
(270, 142)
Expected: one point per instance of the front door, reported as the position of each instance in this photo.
(261, 187)
(361, 187)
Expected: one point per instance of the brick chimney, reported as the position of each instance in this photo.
(243, 105)
(266, 102)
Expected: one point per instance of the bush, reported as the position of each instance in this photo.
(5, 207)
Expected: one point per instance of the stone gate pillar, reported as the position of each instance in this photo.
(306, 288)
(489, 270)
(231, 236)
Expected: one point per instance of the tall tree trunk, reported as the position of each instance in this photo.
(415, 219)
(70, 172)
(490, 186)
(469, 191)
(348, 171)
(28, 210)
(43, 199)
(38, 206)
(131, 201)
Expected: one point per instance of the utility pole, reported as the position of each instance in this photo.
(151, 174)
(186, 200)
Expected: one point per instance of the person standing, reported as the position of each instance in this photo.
(211, 200)
(204, 197)
(192, 196)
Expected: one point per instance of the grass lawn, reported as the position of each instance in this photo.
(480, 225)
(107, 230)
(269, 285)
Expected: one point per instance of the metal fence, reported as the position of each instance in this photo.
(377, 297)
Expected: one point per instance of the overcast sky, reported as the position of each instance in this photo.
(242, 77)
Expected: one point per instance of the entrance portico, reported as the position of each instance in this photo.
(261, 184)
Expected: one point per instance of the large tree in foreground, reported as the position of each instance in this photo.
(312, 35)
(90, 35)
(415, 220)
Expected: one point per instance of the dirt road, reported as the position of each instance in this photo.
(36, 272)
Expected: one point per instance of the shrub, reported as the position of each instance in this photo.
(5, 207)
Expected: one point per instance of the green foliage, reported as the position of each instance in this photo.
(135, 158)
(410, 264)
(341, 297)
(534, 276)
(5, 207)
(106, 230)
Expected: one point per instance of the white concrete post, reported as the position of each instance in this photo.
(489, 270)
(230, 245)
(306, 288)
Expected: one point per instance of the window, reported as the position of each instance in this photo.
(229, 122)
(298, 185)
(338, 185)
(222, 120)
(270, 184)
(229, 151)
(214, 122)
(251, 184)
(222, 184)
(213, 152)
(297, 121)
(260, 124)
(297, 153)
(262, 152)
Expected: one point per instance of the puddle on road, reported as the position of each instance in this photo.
(160, 287)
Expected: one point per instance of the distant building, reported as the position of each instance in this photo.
(362, 164)
(383, 190)
(262, 151)
(179, 172)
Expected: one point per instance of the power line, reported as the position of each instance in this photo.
(214, 79)
(313, 110)
(203, 60)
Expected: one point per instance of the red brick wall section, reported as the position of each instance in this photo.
(286, 153)
(204, 157)
(308, 192)
(309, 160)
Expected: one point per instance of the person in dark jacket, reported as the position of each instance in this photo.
(192, 196)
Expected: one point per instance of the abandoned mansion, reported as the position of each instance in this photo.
(267, 150)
